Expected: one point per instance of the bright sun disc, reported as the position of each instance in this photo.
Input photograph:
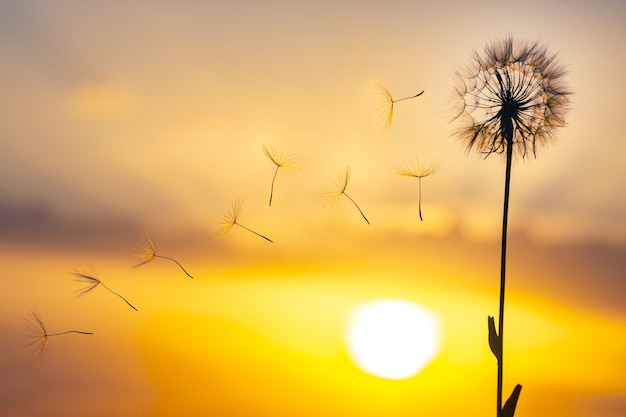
(393, 339)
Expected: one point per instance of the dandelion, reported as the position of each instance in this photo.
(386, 109)
(511, 99)
(335, 194)
(282, 162)
(416, 170)
(37, 333)
(92, 280)
(230, 220)
(147, 252)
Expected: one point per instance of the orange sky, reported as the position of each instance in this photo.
(118, 118)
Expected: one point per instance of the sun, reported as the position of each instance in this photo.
(392, 338)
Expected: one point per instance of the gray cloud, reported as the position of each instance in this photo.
(37, 225)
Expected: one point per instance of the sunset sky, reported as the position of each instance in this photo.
(118, 117)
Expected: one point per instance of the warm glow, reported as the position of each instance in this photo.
(393, 339)
(128, 117)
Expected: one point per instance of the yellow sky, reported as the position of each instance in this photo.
(118, 118)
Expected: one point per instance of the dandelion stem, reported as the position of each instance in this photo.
(252, 231)
(357, 206)
(273, 179)
(175, 261)
(69, 331)
(419, 200)
(406, 98)
(505, 217)
(119, 295)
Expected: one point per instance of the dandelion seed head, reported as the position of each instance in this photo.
(386, 108)
(334, 194)
(146, 251)
(230, 218)
(416, 169)
(282, 161)
(90, 279)
(511, 94)
(36, 333)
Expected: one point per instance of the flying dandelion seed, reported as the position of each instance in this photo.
(419, 171)
(333, 195)
(37, 333)
(282, 162)
(511, 99)
(92, 280)
(230, 220)
(386, 109)
(147, 252)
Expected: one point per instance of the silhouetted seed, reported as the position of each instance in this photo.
(386, 109)
(92, 280)
(147, 252)
(36, 331)
(230, 220)
(419, 171)
(335, 194)
(282, 162)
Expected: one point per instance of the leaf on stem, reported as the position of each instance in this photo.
(509, 406)
(494, 339)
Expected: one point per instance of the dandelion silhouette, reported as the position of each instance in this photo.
(386, 109)
(92, 280)
(416, 170)
(511, 99)
(36, 331)
(230, 220)
(335, 194)
(282, 162)
(147, 252)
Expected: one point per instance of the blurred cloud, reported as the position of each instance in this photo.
(39, 227)
(608, 405)
(102, 101)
